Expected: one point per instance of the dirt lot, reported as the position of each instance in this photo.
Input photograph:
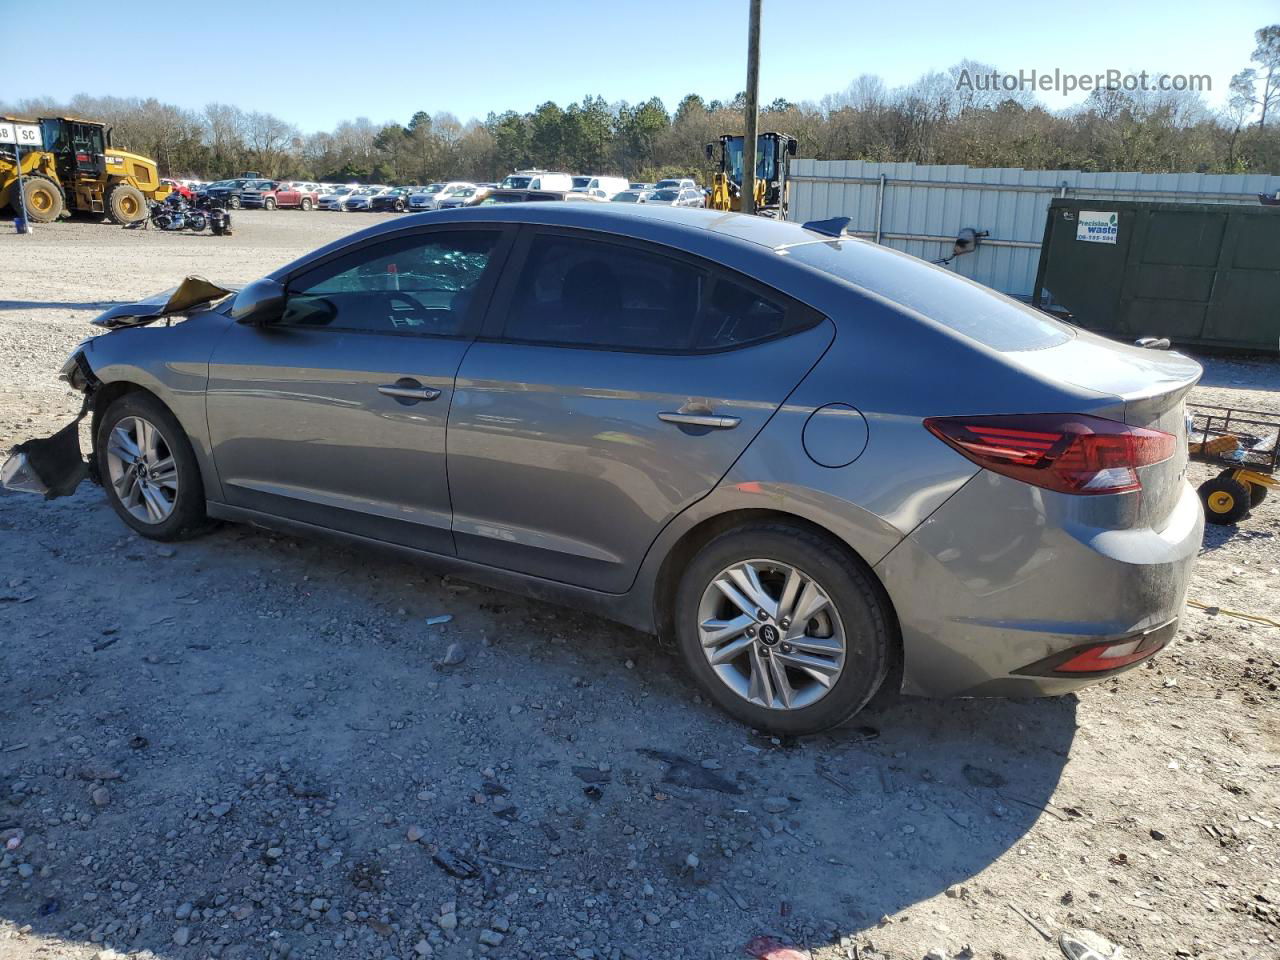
(244, 746)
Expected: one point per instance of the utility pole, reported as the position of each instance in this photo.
(753, 111)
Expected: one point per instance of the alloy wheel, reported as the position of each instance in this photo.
(143, 472)
(772, 634)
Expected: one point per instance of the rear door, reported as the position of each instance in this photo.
(616, 383)
(336, 415)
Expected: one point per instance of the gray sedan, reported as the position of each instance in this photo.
(812, 461)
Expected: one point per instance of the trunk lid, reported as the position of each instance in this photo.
(1149, 388)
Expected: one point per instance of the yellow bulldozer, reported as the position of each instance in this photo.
(76, 169)
(773, 154)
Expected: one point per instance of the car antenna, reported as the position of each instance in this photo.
(833, 227)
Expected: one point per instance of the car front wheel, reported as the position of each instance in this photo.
(783, 628)
(149, 469)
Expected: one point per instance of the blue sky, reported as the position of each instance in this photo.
(330, 64)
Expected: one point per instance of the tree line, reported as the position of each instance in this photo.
(936, 119)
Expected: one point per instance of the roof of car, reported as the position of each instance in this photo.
(622, 219)
(693, 228)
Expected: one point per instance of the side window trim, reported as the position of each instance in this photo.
(495, 321)
(471, 324)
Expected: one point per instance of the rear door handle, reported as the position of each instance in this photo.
(407, 389)
(711, 420)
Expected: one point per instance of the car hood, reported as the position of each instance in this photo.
(191, 293)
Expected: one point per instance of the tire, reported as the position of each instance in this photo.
(268, 204)
(41, 198)
(126, 204)
(399, 206)
(196, 222)
(1257, 493)
(1226, 500)
(856, 619)
(233, 203)
(305, 203)
(169, 457)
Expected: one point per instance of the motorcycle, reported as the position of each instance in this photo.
(175, 214)
(219, 218)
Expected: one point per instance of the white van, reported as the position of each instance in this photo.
(537, 180)
(606, 188)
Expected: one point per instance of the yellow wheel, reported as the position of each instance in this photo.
(126, 204)
(42, 199)
(1221, 502)
(1225, 499)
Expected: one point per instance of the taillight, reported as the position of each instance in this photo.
(1066, 452)
(1104, 657)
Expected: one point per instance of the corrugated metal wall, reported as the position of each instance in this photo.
(920, 208)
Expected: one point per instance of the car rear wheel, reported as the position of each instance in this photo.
(784, 630)
(305, 203)
(149, 469)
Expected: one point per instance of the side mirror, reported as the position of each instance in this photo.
(259, 304)
(791, 147)
(711, 151)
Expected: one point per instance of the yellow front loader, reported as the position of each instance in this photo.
(772, 192)
(78, 171)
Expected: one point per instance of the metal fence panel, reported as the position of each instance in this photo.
(919, 208)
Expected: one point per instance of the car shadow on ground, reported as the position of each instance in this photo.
(269, 717)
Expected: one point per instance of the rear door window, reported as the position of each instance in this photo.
(575, 291)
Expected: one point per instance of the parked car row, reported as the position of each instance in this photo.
(267, 194)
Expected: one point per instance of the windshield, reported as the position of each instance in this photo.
(433, 189)
(971, 309)
(517, 183)
(628, 196)
(766, 158)
(664, 195)
(667, 183)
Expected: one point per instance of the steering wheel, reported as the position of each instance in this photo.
(416, 309)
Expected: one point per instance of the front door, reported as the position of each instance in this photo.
(336, 415)
(619, 385)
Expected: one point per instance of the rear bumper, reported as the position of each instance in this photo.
(999, 588)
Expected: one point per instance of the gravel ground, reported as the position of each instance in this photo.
(254, 746)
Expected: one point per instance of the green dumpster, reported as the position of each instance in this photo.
(1201, 274)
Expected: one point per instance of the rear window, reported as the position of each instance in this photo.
(968, 308)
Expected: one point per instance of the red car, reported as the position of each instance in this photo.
(269, 194)
(176, 187)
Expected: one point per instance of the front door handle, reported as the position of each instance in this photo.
(711, 420)
(408, 390)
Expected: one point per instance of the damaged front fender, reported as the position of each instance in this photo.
(50, 466)
(191, 293)
(55, 466)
